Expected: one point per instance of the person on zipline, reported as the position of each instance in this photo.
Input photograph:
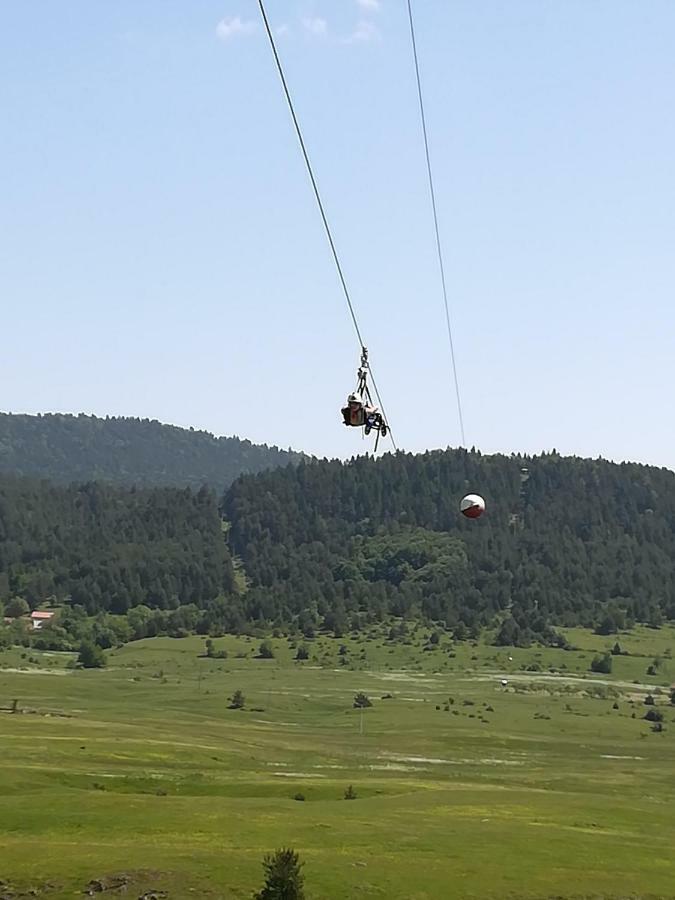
(359, 414)
(360, 411)
(354, 413)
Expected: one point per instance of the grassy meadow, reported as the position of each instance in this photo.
(140, 777)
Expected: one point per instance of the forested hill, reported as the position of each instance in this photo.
(109, 548)
(338, 545)
(67, 448)
(567, 541)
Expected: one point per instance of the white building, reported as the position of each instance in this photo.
(38, 618)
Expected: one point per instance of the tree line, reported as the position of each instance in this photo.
(337, 546)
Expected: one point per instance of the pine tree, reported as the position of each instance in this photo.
(237, 700)
(283, 877)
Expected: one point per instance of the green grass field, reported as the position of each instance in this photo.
(538, 790)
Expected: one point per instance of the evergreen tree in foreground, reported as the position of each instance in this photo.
(283, 877)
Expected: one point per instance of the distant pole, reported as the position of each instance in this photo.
(15, 706)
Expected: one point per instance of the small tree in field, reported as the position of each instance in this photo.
(283, 877)
(211, 651)
(91, 656)
(361, 701)
(602, 664)
(266, 651)
(303, 652)
(16, 607)
(237, 700)
(350, 793)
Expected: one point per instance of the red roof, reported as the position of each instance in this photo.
(38, 614)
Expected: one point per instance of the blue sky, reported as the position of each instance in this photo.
(161, 254)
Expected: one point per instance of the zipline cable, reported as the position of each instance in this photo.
(324, 219)
(439, 250)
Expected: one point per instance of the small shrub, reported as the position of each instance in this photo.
(237, 700)
(654, 715)
(91, 656)
(265, 651)
(361, 701)
(211, 651)
(649, 700)
(298, 796)
(602, 664)
(350, 793)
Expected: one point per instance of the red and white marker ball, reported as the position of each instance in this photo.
(472, 506)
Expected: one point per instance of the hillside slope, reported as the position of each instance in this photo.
(67, 448)
(335, 545)
(565, 540)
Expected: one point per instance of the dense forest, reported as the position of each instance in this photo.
(106, 548)
(127, 451)
(565, 541)
(333, 545)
